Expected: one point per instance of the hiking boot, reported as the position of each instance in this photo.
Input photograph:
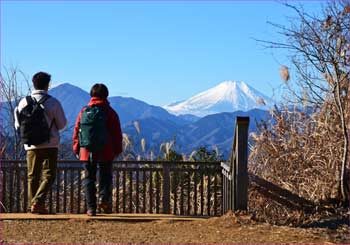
(91, 212)
(105, 208)
(38, 208)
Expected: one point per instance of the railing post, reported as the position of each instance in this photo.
(4, 190)
(166, 189)
(240, 163)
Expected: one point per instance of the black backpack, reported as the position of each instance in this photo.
(34, 129)
(93, 129)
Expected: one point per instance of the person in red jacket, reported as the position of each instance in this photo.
(101, 159)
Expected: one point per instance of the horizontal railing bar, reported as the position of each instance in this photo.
(136, 169)
(171, 169)
(211, 170)
(60, 168)
(125, 162)
(225, 166)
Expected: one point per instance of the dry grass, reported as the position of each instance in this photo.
(300, 152)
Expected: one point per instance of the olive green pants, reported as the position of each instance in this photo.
(41, 166)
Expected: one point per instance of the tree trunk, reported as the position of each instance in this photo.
(343, 173)
(346, 171)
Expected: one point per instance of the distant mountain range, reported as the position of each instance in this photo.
(213, 130)
(157, 125)
(129, 109)
(228, 96)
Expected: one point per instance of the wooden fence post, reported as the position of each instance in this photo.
(240, 163)
(166, 189)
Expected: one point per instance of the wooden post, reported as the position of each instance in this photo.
(232, 173)
(25, 189)
(18, 188)
(166, 189)
(4, 190)
(11, 172)
(57, 191)
(346, 180)
(240, 172)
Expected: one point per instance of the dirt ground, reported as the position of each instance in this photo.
(226, 229)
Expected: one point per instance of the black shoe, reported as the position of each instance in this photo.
(105, 208)
(38, 208)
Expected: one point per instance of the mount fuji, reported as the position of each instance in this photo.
(228, 96)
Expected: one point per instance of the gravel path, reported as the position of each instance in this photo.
(226, 229)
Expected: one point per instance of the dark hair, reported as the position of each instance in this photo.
(41, 80)
(99, 90)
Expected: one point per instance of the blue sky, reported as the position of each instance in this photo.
(155, 51)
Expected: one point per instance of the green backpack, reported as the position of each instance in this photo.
(93, 131)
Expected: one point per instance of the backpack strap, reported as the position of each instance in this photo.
(90, 159)
(44, 98)
(29, 100)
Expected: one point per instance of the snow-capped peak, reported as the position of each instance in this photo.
(227, 96)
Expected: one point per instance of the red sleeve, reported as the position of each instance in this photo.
(76, 146)
(116, 132)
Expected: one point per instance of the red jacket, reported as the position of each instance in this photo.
(114, 141)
